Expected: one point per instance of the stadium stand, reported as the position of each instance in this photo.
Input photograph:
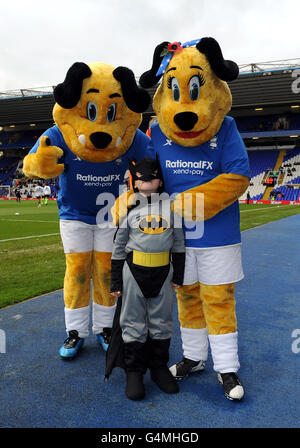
(289, 187)
(8, 166)
(266, 107)
(260, 162)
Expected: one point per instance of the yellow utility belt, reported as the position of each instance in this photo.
(151, 260)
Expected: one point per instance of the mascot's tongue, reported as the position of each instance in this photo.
(188, 134)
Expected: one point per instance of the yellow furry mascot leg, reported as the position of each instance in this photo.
(209, 310)
(103, 301)
(77, 292)
(86, 266)
(192, 324)
(219, 309)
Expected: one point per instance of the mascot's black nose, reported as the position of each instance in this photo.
(100, 139)
(186, 120)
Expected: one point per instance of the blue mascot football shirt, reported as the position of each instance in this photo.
(82, 181)
(187, 167)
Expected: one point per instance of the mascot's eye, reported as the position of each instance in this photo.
(195, 88)
(174, 85)
(111, 113)
(91, 111)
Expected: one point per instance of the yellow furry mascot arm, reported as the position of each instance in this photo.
(219, 193)
(43, 163)
(120, 207)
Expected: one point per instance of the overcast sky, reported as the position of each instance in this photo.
(41, 39)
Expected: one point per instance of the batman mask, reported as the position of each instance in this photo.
(149, 170)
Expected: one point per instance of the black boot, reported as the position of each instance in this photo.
(135, 389)
(158, 353)
(134, 357)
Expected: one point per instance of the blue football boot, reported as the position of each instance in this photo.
(71, 345)
(104, 338)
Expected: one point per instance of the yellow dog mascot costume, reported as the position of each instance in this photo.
(201, 151)
(97, 114)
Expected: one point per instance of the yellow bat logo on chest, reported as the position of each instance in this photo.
(153, 224)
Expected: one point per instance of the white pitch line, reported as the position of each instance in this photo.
(24, 220)
(265, 208)
(27, 237)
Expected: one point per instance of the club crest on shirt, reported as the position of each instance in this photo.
(213, 143)
(153, 224)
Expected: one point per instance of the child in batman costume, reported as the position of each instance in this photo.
(147, 260)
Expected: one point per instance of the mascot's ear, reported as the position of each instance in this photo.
(149, 78)
(136, 98)
(224, 69)
(68, 93)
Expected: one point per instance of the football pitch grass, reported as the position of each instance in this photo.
(32, 261)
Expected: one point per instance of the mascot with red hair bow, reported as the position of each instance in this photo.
(205, 164)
